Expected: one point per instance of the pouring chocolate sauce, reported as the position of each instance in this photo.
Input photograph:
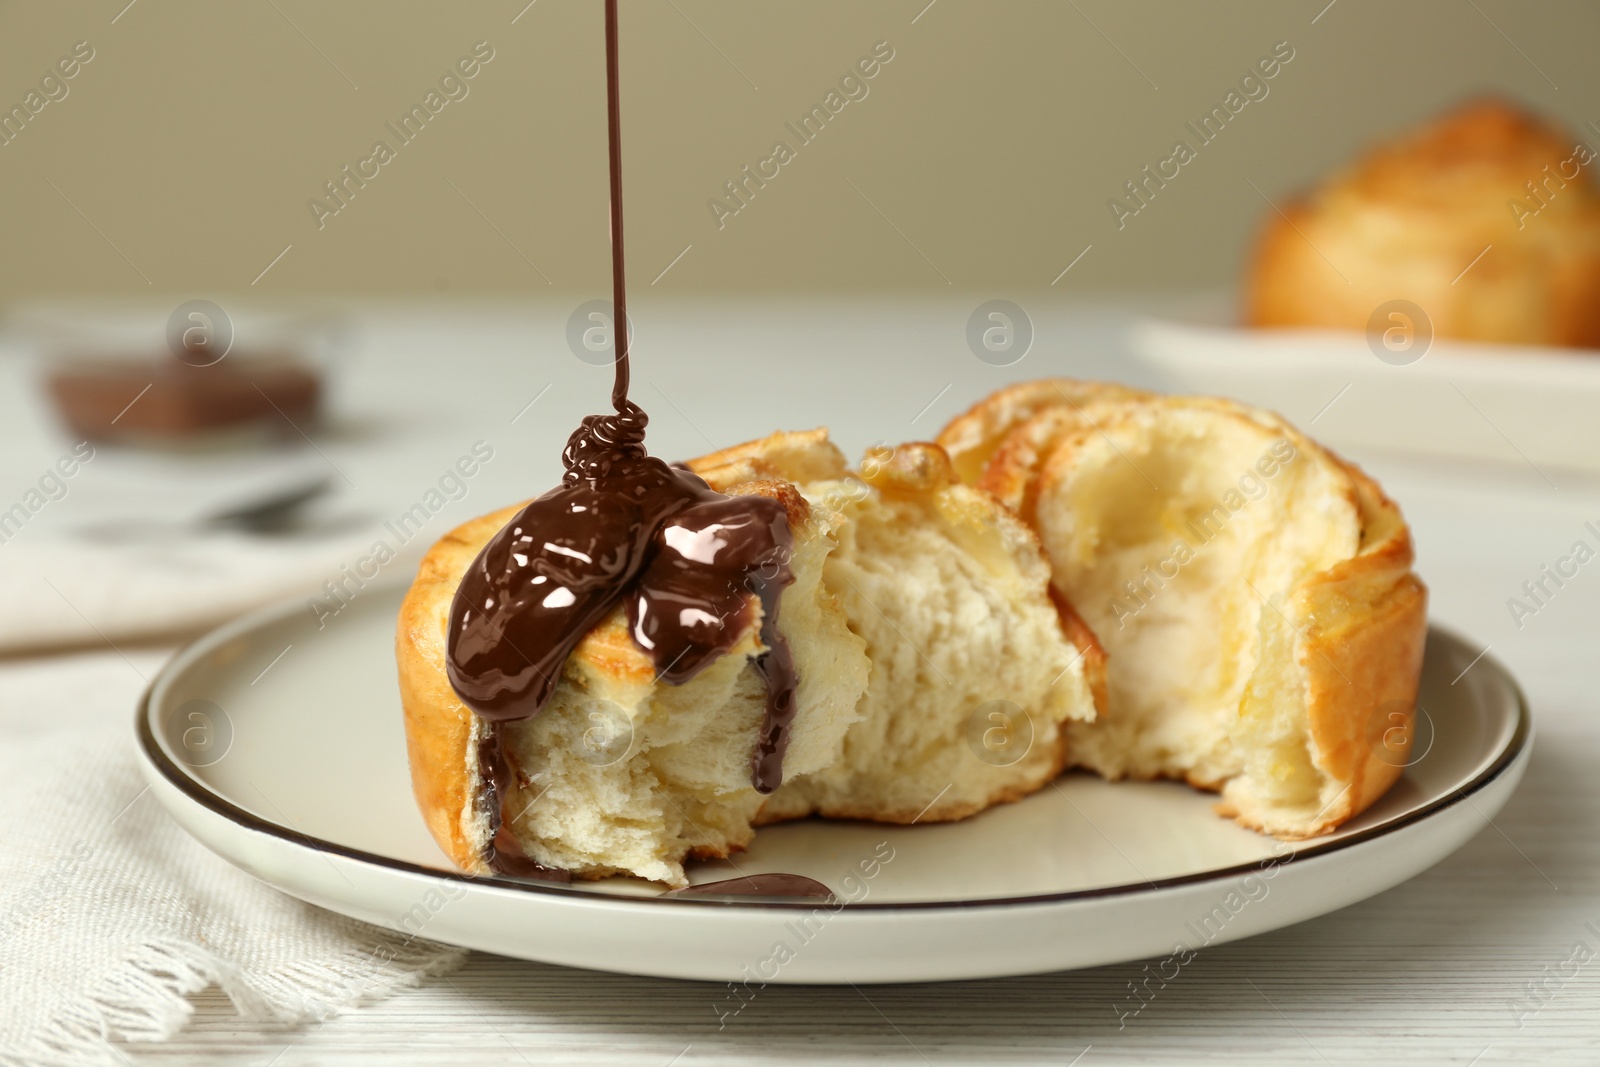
(622, 528)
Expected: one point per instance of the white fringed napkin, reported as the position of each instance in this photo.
(70, 592)
(110, 915)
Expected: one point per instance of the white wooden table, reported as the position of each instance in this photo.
(1468, 963)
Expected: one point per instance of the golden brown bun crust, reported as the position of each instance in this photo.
(1362, 659)
(972, 437)
(438, 725)
(1365, 625)
(796, 456)
(1406, 220)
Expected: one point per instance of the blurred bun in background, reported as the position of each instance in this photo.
(1487, 218)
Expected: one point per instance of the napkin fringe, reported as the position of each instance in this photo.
(146, 997)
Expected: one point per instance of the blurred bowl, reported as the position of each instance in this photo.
(191, 377)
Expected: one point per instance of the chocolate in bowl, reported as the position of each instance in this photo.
(168, 400)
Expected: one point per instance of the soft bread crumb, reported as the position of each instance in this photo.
(951, 594)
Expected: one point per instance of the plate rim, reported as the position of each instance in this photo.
(198, 792)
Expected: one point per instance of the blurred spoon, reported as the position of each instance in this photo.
(267, 512)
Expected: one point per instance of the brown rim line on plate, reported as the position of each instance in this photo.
(198, 792)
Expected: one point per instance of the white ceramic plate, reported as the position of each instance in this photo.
(280, 747)
(1515, 404)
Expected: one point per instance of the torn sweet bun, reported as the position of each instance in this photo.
(909, 591)
(619, 774)
(1253, 593)
(975, 668)
(1486, 218)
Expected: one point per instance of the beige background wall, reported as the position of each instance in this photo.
(183, 155)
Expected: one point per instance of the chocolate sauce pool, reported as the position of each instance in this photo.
(757, 885)
(622, 528)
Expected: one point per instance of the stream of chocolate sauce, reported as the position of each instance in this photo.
(622, 528)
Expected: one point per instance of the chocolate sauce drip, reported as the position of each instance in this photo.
(777, 669)
(622, 528)
(504, 853)
(757, 885)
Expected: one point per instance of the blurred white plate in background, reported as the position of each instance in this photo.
(1535, 406)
